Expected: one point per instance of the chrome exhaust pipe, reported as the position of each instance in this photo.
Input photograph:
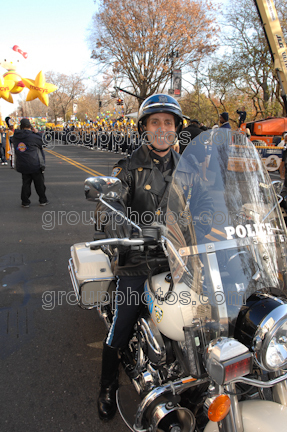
(175, 387)
(167, 417)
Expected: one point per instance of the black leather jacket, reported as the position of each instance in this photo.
(145, 191)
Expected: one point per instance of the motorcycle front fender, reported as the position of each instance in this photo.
(259, 415)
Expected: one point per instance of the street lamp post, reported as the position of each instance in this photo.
(170, 57)
(100, 104)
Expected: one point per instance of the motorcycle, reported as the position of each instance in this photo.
(208, 352)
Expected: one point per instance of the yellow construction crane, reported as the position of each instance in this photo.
(271, 130)
(276, 41)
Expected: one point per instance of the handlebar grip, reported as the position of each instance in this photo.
(150, 234)
(116, 242)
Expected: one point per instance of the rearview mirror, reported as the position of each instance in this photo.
(109, 188)
(278, 186)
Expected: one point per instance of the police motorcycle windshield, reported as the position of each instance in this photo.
(227, 238)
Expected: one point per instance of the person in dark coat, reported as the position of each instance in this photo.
(30, 162)
(224, 124)
(224, 120)
(242, 116)
(198, 149)
(189, 133)
(2, 146)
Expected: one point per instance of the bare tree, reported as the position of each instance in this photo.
(70, 88)
(247, 64)
(138, 39)
(281, 7)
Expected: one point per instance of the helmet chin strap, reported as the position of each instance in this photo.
(158, 150)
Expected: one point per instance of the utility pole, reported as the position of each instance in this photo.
(100, 105)
(170, 57)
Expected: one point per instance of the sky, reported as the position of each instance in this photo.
(54, 35)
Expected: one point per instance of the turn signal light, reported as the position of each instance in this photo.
(219, 408)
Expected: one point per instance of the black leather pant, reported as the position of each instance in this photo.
(129, 299)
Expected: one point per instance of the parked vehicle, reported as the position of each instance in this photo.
(267, 131)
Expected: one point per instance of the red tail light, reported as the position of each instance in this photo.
(237, 369)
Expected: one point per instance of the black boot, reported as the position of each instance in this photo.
(109, 383)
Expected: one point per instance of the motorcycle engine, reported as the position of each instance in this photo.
(154, 360)
(152, 342)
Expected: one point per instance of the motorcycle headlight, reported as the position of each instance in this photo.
(262, 326)
(272, 336)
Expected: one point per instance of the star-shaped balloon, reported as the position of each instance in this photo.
(39, 88)
(5, 86)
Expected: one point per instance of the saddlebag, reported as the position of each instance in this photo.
(91, 276)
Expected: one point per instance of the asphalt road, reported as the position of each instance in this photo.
(50, 349)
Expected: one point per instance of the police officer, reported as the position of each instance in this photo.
(146, 178)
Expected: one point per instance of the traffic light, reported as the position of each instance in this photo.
(120, 102)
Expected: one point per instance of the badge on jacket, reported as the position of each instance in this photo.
(116, 171)
(21, 147)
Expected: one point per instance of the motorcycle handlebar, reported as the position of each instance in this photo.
(261, 384)
(116, 241)
(151, 235)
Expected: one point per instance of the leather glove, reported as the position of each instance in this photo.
(117, 226)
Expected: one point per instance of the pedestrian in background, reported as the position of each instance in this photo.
(9, 152)
(2, 146)
(30, 162)
(224, 120)
(242, 116)
(198, 148)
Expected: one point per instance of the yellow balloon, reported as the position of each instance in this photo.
(16, 78)
(39, 88)
(5, 87)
